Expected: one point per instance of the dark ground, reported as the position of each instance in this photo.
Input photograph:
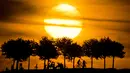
(72, 71)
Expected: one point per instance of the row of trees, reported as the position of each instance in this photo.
(20, 49)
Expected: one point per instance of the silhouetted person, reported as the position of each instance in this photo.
(7, 69)
(78, 63)
(60, 65)
(49, 64)
(53, 65)
(36, 67)
(21, 67)
(84, 63)
(12, 67)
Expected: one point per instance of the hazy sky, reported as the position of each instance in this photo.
(24, 18)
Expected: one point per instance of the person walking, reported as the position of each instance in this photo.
(84, 64)
(36, 67)
(78, 63)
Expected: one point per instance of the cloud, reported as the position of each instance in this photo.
(10, 32)
(10, 8)
(119, 29)
(109, 2)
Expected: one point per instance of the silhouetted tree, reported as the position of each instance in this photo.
(16, 49)
(33, 46)
(63, 44)
(91, 49)
(73, 51)
(117, 50)
(105, 46)
(47, 50)
(6, 50)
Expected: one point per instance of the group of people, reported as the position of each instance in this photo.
(81, 64)
(51, 65)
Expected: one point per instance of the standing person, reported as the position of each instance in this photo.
(84, 64)
(49, 65)
(7, 69)
(61, 66)
(36, 67)
(21, 66)
(53, 65)
(12, 67)
(78, 63)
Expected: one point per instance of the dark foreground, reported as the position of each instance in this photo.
(72, 71)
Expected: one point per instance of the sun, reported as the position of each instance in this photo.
(59, 27)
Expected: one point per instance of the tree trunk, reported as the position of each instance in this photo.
(29, 63)
(91, 61)
(113, 62)
(17, 63)
(104, 62)
(73, 62)
(44, 63)
(48, 64)
(64, 62)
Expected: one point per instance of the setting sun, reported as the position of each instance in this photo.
(65, 7)
(58, 30)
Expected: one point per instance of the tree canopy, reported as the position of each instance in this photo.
(46, 49)
(17, 49)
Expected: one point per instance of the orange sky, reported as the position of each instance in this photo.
(25, 19)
